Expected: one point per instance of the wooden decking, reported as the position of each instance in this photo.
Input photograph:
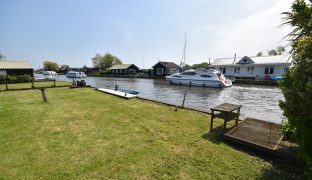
(263, 136)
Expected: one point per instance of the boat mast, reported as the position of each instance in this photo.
(182, 63)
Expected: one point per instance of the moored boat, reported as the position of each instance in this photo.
(49, 73)
(75, 74)
(200, 77)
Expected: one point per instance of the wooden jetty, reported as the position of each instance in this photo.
(257, 134)
(117, 93)
(264, 136)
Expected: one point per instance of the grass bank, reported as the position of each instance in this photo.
(87, 134)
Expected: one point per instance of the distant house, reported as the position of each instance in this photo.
(259, 67)
(124, 69)
(16, 68)
(165, 68)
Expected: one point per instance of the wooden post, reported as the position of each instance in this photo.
(236, 122)
(32, 83)
(183, 99)
(226, 119)
(6, 83)
(44, 97)
(54, 83)
(73, 82)
(211, 121)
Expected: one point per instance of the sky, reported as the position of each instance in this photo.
(141, 32)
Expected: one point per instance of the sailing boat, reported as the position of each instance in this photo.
(182, 63)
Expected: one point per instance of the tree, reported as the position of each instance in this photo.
(50, 66)
(272, 52)
(297, 83)
(260, 53)
(187, 67)
(2, 57)
(280, 50)
(300, 19)
(201, 65)
(64, 66)
(105, 61)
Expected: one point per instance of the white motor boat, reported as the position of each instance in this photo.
(200, 77)
(75, 74)
(49, 73)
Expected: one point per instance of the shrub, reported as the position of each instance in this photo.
(288, 131)
(15, 79)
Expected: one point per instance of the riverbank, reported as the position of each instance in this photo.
(82, 133)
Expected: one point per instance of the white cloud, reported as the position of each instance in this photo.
(257, 31)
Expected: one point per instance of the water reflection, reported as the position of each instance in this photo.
(258, 101)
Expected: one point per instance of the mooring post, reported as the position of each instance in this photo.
(74, 82)
(32, 83)
(6, 83)
(44, 97)
(183, 99)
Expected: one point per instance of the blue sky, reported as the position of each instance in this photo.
(73, 31)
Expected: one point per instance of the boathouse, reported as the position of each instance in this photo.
(16, 68)
(165, 68)
(258, 67)
(124, 69)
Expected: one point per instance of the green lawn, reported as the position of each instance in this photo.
(36, 84)
(88, 134)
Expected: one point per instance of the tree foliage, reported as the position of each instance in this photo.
(105, 61)
(260, 53)
(50, 66)
(280, 50)
(187, 67)
(297, 83)
(201, 65)
(300, 19)
(2, 57)
(64, 66)
(272, 52)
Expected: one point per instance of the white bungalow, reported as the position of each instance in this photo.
(258, 67)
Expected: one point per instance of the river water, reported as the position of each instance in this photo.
(258, 101)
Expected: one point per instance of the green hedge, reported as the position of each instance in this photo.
(15, 79)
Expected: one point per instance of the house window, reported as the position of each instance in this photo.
(160, 71)
(223, 70)
(173, 70)
(269, 70)
(250, 70)
(237, 70)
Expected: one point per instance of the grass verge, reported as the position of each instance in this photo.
(88, 134)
